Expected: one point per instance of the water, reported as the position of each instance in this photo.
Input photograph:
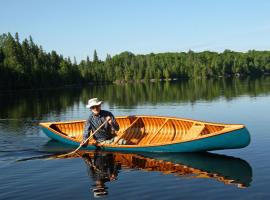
(30, 170)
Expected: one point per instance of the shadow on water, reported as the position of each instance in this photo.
(104, 166)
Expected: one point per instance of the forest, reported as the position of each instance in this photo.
(24, 64)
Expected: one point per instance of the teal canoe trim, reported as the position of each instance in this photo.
(230, 140)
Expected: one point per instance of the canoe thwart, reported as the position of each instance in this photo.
(124, 131)
(194, 132)
(156, 133)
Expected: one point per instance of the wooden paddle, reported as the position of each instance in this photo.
(72, 152)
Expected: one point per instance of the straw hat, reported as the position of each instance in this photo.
(93, 102)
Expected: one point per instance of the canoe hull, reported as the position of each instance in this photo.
(231, 140)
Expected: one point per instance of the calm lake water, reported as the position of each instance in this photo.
(29, 169)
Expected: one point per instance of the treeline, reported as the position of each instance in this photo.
(26, 65)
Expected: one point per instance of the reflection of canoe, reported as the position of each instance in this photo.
(226, 169)
(158, 134)
(209, 165)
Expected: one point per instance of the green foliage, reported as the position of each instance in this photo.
(25, 65)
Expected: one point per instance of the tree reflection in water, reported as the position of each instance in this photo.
(37, 104)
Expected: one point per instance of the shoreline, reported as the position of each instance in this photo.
(123, 82)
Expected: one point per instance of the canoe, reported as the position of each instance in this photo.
(157, 134)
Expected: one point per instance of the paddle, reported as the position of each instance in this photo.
(72, 152)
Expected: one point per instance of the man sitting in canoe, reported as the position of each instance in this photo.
(97, 117)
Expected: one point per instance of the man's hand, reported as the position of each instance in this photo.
(84, 143)
(109, 119)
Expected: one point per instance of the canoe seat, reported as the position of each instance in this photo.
(194, 131)
(56, 128)
(134, 140)
(74, 134)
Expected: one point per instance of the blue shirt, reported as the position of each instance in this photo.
(94, 122)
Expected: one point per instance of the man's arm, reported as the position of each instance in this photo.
(87, 129)
(112, 122)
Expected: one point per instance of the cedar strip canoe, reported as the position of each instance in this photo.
(157, 134)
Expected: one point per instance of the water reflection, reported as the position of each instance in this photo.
(36, 104)
(226, 169)
(105, 166)
(102, 167)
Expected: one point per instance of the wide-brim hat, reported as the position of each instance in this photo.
(93, 102)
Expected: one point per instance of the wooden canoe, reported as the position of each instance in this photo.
(157, 134)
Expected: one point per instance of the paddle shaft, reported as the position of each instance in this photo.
(88, 138)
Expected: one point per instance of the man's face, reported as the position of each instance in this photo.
(96, 109)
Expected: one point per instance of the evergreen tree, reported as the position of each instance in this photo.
(95, 57)
(24, 64)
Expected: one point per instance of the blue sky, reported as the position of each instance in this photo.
(77, 27)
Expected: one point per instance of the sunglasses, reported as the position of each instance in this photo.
(95, 107)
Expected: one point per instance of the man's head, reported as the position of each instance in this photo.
(94, 105)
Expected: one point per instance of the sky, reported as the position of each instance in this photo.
(76, 28)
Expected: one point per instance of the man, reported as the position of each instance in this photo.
(96, 119)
